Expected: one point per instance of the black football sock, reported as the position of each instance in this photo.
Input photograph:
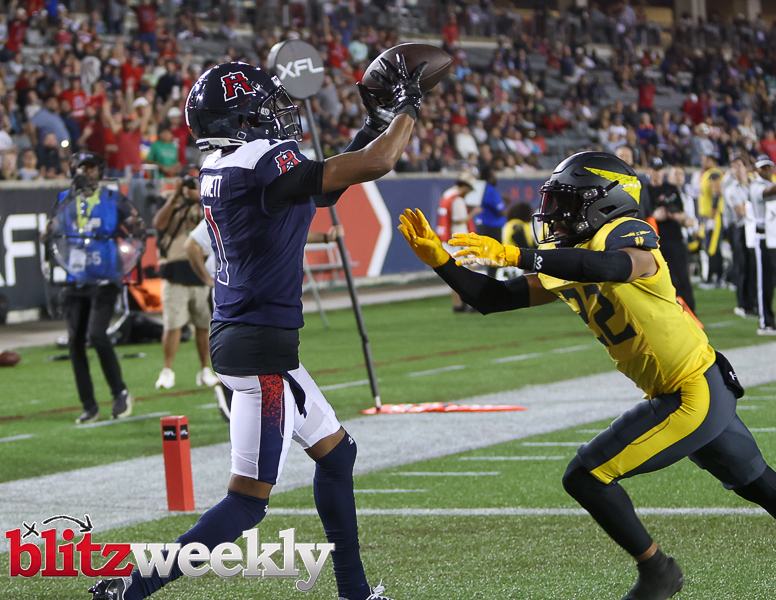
(336, 504)
(225, 522)
(609, 505)
(762, 491)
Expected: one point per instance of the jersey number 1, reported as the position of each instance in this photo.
(222, 274)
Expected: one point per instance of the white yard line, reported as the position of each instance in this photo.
(433, 371)
(519, 357)
(339, 386)
(14, 438)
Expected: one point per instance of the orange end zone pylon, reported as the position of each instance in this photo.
(448, 407)
(177, 463)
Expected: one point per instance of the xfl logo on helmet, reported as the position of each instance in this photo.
(234, 82)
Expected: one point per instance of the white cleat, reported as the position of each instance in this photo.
(166, 379)
(207, 377)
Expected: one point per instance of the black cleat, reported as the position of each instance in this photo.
(122, 405)
(89, 416)
(110, 589)
(659, 579)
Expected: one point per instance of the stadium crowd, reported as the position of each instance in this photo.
(114, 81)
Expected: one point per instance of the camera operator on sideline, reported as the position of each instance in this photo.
(184, 297)
(83, 232)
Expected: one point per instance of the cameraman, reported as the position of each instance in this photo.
(668, 210)
(184, 298)
(88, 220)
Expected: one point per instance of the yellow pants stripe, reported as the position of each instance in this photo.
(681, 423)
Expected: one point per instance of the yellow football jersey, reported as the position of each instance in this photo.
(650, 338)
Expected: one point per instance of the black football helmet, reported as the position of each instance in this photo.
(235, 103)
(585, 191)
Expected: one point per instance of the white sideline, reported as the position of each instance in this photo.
(133, 491)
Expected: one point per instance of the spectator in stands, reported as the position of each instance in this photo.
(46, 120)
(29, 169)
(184, 297)
(76, 97)
(128, 132)
(768, 144)
(164, 152)
(51, 158)
(146, 22)
(8, 167)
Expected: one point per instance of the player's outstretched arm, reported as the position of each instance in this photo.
(485, 294)
(380, 156)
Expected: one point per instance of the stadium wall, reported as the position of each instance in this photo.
(369, 212)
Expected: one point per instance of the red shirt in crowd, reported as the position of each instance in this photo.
(16, 33)
(450, 34)
(146, 18)
(647, 95)
(77, 102)
(129, 148)
(338, 54)
(129, 72)
(181, 134)
(96, 141)
(769, 147)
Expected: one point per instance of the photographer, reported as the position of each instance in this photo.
(184, 298)
(668, 211)
(88, 220)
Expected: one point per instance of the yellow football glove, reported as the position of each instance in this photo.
(483, 250)
(422, 239)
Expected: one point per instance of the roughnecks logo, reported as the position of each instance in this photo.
(194, 560)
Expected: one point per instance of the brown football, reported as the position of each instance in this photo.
(439, 63)
(9, 359)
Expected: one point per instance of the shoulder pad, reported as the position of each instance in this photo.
(631, 233)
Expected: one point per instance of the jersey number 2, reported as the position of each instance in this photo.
(222, 274)
(601, 316)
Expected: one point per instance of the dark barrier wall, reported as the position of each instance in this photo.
(23, 215)
(370, 214)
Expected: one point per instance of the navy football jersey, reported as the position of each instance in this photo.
(259, 251)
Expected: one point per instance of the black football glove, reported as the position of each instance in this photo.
(404, 87)
(378, 115)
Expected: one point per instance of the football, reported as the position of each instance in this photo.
(9, 359)
(439, 63)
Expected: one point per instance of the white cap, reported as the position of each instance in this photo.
(140, 102)
(174, 112)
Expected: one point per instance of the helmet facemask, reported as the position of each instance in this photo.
(568, 214)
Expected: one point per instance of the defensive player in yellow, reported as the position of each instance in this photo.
(606, 265)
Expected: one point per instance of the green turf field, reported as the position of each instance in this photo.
(421, 556)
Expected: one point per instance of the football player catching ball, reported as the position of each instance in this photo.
(259, 195)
